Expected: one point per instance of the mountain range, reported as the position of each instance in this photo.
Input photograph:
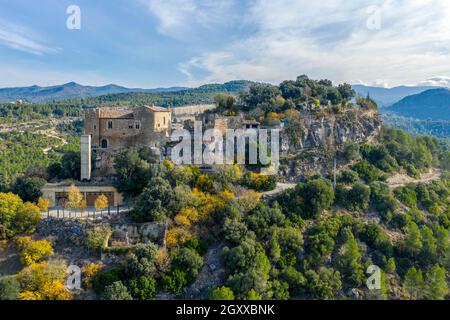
(71, 90)
(431, 104)
(385, 97)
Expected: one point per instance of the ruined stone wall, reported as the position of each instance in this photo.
(192, 109)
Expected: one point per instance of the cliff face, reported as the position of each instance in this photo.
(322, 137)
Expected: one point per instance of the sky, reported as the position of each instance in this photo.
(164, 43)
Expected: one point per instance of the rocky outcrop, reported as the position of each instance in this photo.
(321, 138)
(354, 125)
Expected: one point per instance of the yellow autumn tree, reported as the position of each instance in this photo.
(248, 199)
(74, 198)
(177, 236)
(187, 216)
(33, 251)
(101, 202)
(54, 290)
(44, 281)
(89, 271)
(30, 295)
(43, 203)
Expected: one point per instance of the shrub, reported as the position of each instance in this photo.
(221, 293)
(89, 272)
(116, 291)
(348, 177)
(104, 279)
(33, 251)
(9, 288)
(96, 239)
(175, 281)
(142, 288)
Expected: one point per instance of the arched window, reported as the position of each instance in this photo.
(104, 144)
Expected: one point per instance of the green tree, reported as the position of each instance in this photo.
(175, 281)
(429, 245)
(189, 261)
(142, 288)
(154, 202)
(413, 241)
(71, 165)
(141, 262)
(435, 284)
(96, 238)
(116, 291)
(132, 172)
(324, 284)
(221, 293)
(29, 188)
(348, 259)
(314, 197)
(413, 283)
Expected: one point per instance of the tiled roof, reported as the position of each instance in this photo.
(116, 114)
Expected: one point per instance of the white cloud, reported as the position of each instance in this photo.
(332, 40)
(440, 81)
(19, 38)
(181, 18)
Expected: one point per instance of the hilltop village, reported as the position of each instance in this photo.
(344, 196)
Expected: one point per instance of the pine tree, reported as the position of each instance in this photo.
(413, 241)
(413, 283)
(435, 284)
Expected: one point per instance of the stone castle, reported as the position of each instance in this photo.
(107, 131)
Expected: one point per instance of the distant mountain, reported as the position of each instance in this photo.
(388, 96)
(70, 90)
(431, 104)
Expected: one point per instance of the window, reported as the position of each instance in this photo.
(137, 125)
(104, 144)
(164, 121)
(95, 127)
(110, 124)
(130, 125)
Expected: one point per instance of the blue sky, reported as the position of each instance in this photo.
(154, 43)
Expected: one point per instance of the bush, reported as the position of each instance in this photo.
(96, 239)
(367, 171)
(175, 281)
(9, 288)
(314, 197)
(154, 202)
(89, 272)
(104, 279)
(407, 195)
(259, 182)
(348, 177)
(33, 251)
(221, 293)
(142, 288)
(116, 291)
(29, 188)
(17, 217)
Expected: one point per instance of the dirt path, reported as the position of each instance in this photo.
(400, 180)
(281, 187)
(52, 133)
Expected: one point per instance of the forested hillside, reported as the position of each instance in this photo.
(221, 234)
(75, 107)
